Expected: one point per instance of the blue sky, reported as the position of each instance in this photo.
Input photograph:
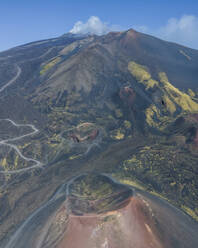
(23, 21)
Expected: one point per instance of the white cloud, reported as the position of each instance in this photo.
(183, 30)
(93, 26)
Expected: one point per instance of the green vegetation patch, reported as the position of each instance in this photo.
(48, 66)
(97, 193)
(151, 83)
(142, 75)
(92, 187)
(117, 134)
(170, 106)
(182, 99)
(173, 100)
(191, 93)
(167, 171)
(127, 124)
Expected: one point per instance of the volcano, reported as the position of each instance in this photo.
(124, 104)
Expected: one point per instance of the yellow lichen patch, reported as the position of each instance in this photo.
(53, 145)
(69, 48)
(190, 212)
(183, 100)
(163, 77)
(118, 135)
(138, 185)
(50, 65)
(173, 184)
(16, 161)
(191, 93)
(131, 160)
(4, 162)
(74, 156)
(127, 124)
(159, 195)
(140, 72)
(132, 183)
(186, 103)
(154, 119)
(169, 104)
(151, 83)
(142, 75)
(118, 113)
(145, 148)
(150, 112)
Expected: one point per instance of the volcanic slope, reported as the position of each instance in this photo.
(98, 212)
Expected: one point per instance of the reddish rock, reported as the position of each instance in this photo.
(91, 136)
(127, 95)
(129, 227)
(142, 223)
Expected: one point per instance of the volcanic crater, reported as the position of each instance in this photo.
(104, 213)
(99, 212)
(97, 194)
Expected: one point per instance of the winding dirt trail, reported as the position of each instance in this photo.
(12, 80)
(63, 191)
(7, 143)
(19, 71)
(28, 223)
